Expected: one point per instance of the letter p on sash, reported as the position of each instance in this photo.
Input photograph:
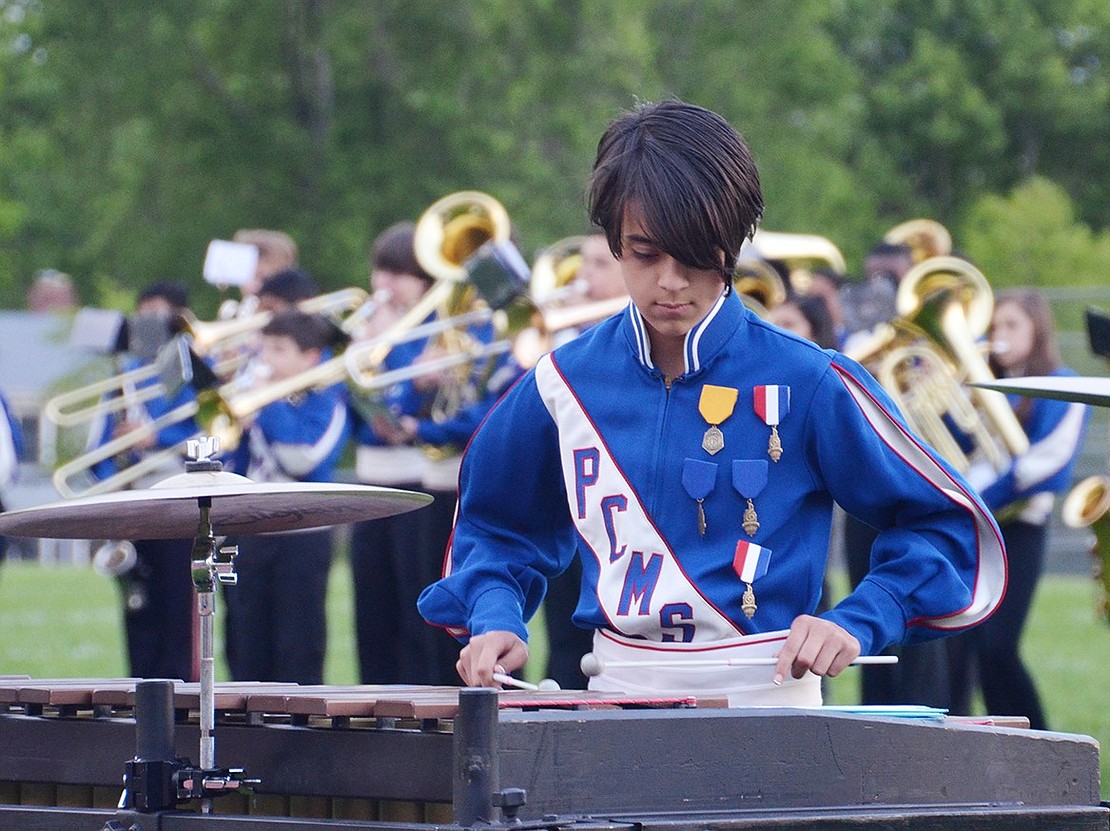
(585, 474)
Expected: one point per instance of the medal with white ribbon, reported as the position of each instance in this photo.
(715, 405)
(698, 478)
(750, 562)
(772, 403)
(749, 477)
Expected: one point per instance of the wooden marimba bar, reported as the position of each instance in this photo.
(67, 714)
(390, 755)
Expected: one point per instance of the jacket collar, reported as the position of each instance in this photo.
(702, 342)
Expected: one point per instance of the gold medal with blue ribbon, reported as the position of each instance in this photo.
(749, 477)
(715, 405)
(699, 478)
(771, 403)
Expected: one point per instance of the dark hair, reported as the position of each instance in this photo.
(393, 251)
(291, 285)
(309, 331)
(830, 274)
(883, 249)
(1044, 357)
(691, 176)
(815, 309)
(173, 293)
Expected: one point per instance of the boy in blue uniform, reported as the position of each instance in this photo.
(692, 454)
(278, 605)
(159, 603)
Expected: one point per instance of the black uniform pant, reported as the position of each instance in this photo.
(989, 654)
(921, 674)
(567, 643)
(392, 561)
(159, 604)
(277, 625)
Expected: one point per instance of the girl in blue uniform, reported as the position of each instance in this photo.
(1023, 342)
(692, 454)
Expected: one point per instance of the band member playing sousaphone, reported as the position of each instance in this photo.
(691, 453)
(391, 559)
(426, 376)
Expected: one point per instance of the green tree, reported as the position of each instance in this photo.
(1031, 237)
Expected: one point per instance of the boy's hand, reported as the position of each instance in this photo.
(815, 645)
(489, 653)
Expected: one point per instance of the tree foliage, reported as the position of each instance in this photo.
(131, 133)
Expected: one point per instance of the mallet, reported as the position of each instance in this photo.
(592, 665)
(546, 685)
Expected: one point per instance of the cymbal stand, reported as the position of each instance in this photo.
(210, 565)
(155, 778)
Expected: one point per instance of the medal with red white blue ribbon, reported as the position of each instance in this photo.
(750, 562)
(772, 403)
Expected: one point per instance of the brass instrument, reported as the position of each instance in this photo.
(759, 286)
(128, 389)
(115, 558)
(924, 237)
(555, 270)
(926, 356)
(226, 341)
(799, 253)
(1087, 505)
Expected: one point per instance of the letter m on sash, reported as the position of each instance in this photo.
(639, 582)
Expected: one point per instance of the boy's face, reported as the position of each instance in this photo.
(672, 297)
(284, 357)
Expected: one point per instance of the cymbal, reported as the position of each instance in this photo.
(239, 506)
(1078, 388)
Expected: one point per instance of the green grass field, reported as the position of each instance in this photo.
(64, 621)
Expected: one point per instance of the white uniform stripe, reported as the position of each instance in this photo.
(643, 346)
(693, 337)
(299, 459)
(990, 578)
(1049, 455)
(9, 462)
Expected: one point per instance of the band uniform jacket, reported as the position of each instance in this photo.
(587, 453)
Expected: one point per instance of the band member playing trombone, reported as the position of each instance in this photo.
(388, 555)
(691, 453)
(158, 598)
(278, 627)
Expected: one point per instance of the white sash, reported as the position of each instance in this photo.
(641, 587)
(681, 668)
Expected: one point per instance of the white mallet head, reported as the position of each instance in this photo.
(591, 665)
(548, 685)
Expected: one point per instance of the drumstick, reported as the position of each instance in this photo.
(546, 685)
(592, 665)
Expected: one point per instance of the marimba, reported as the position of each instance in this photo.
(423, 757)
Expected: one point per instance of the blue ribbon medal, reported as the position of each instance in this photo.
(749, 477)
(698, 478)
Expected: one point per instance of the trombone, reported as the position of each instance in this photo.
(82, 405)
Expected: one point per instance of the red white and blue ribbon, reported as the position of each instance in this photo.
(772, 403)
(751, 561)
